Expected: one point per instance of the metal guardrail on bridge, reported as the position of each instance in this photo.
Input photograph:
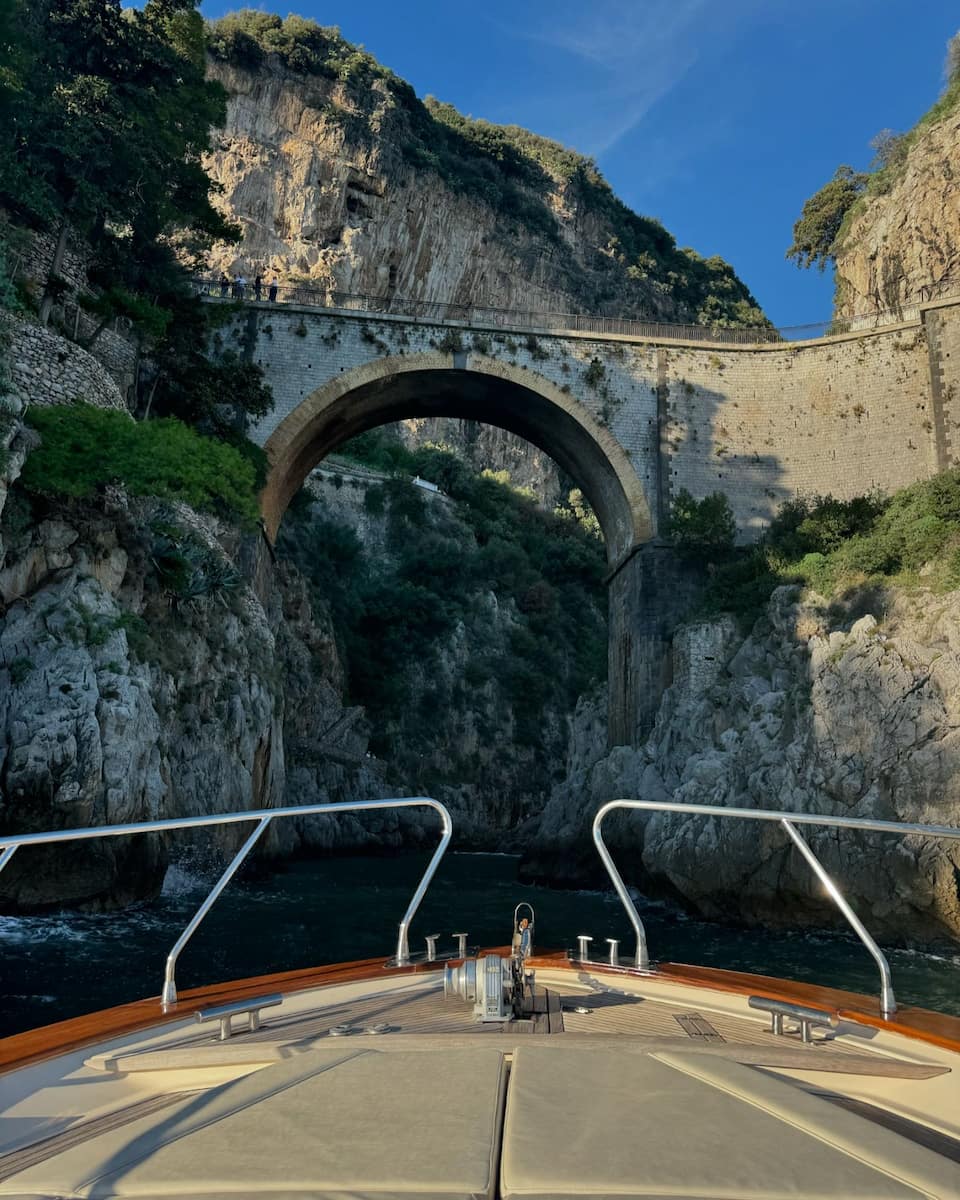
(263, 817)
(481, 315)
(787, 821)
(529, 321)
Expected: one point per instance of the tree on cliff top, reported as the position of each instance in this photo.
(815, 232)
(110, 113)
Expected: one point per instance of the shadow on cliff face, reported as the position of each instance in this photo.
(823, 708)
(845, 708)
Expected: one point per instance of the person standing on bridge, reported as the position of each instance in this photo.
(241, 286)
(273, 290)
(257, 286)
(224, 285)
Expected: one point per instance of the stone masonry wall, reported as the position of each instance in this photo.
(943, 334)
(844, 416)
(45, 368)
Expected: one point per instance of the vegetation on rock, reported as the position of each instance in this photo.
(395, 614)
(699, 527)
(836, 546)
(110, 112)
(84, 448)
(815, 232)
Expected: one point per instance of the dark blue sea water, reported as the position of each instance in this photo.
(330, 910)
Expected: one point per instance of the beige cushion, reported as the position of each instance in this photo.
(604, 1122)
(348, 1124)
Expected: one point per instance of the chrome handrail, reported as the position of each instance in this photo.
(888, 1003)
(10, 844)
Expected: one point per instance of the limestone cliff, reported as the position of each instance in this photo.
(120, 701)
(901, 242)
(487, 448)
(817, 710)
(357, 187)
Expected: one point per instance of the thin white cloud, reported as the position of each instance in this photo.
(632, 53)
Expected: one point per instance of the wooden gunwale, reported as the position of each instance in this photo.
(22, 1049)
(939, 1029)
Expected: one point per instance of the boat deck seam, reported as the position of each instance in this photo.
(15, 1161)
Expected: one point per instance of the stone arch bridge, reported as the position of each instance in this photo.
(632, 419)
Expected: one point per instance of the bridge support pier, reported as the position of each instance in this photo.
(648, 597)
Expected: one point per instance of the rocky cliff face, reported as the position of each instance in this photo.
(487, 448)
(815, 711)
(120, 701)
(903, 245)
(322, 178)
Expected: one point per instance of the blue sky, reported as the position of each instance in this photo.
(719, 117)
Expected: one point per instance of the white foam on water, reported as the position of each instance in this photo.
(926, 955)
(181, 881)
(18, 931)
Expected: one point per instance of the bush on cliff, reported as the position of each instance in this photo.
(84, 448)
(835, 545)
(702, 527)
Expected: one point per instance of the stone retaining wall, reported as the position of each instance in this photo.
(44, 368)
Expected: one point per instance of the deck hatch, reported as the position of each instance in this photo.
(696, 1026)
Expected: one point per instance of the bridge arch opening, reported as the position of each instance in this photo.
(470, 387)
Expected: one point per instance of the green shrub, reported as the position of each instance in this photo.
(187, 567)
(20, 670)
(702, 526)
(833, 545)
(374, 501)
(84, 448)
(595, 374)
(820, 524)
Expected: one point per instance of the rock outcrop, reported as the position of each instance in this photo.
(902, 245)
(120, 702)
(814, 712)
(321, 177)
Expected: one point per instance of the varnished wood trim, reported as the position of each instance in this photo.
(937, 1028)
(78, 1032)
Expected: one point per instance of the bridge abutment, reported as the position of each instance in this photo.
(648, 597)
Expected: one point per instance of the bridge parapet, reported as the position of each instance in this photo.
(485, 316)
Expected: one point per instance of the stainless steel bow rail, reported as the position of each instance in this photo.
(788, 821)
(263, 817)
